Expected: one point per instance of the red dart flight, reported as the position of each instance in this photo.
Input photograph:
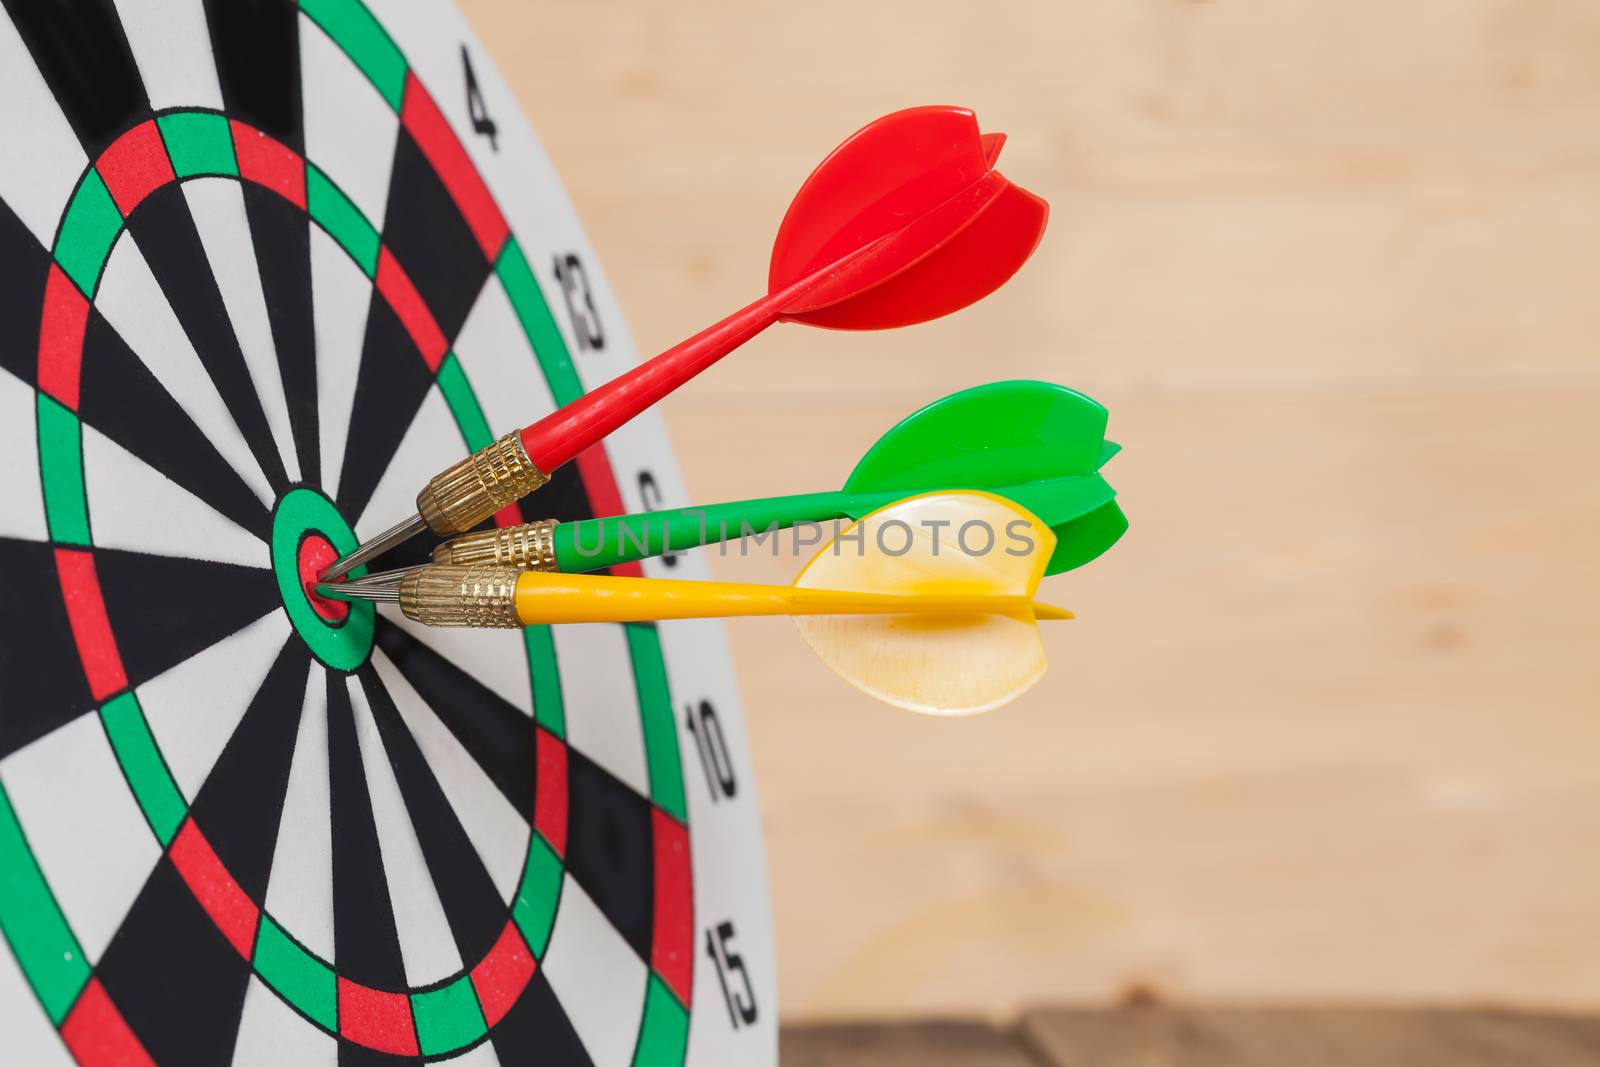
(906, 221)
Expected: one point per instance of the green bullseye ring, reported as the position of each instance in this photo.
(343, 644)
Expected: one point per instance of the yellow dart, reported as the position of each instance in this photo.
(926, 603)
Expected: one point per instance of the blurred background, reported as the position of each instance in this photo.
(1328, 726)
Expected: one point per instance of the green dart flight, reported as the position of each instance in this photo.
(1040, 445)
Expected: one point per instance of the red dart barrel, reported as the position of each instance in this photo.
(904, 222)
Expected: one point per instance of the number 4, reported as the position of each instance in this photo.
(476, 111)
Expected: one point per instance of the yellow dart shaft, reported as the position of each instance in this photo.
(548, 598)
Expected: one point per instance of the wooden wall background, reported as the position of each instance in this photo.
(1329, 724)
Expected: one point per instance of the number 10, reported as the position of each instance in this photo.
(713, 748)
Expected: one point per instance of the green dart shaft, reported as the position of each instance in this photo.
(589, 544)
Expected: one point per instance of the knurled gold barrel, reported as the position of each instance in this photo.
(461, 596)
(464, 495)
(529, 547)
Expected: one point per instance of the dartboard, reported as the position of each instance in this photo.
(264, 267)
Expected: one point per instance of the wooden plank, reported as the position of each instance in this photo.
(1309, 1037)
(944, 1043)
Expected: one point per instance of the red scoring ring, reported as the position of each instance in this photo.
(316, 555)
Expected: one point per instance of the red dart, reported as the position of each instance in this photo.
(906, 221)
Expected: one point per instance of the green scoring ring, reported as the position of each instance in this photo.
(344, 645)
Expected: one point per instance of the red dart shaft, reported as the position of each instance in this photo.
(563, 433)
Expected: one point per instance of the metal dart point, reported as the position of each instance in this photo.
(395, 535)
(382, 589)
(359, 587)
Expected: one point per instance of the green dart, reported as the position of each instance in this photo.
(1038, 444)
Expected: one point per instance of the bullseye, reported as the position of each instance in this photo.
(308, 534)
(317, 555)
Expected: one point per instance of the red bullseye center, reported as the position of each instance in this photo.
(317, 554)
